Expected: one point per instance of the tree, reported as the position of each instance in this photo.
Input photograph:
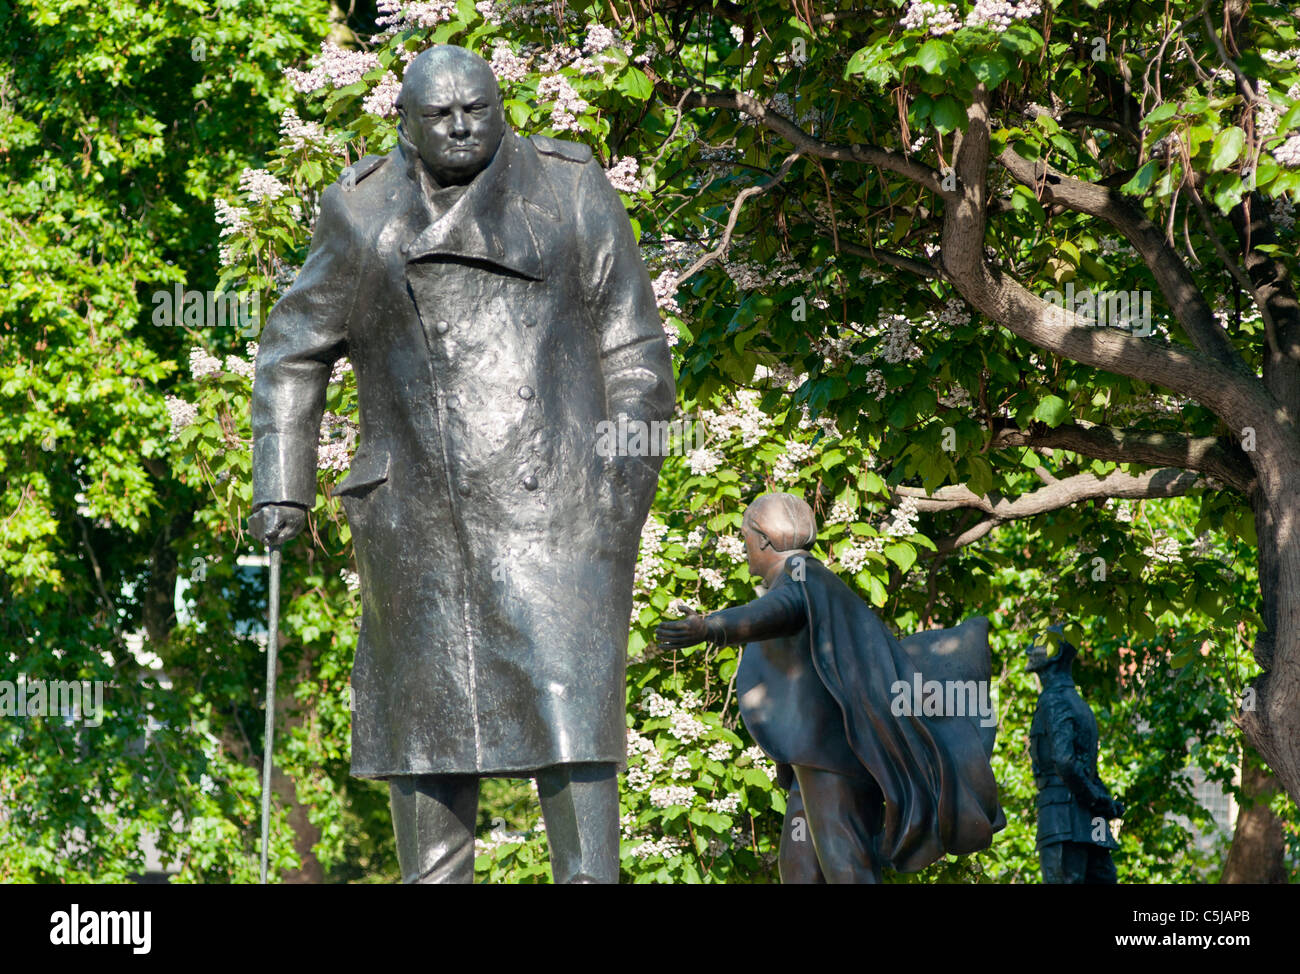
(1041, 131)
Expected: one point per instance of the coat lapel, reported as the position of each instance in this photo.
(491, 221)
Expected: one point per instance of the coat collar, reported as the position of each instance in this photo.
(493, 219)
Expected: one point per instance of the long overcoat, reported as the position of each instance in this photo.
(494, 542)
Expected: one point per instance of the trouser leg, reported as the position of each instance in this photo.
(1064, 862)
(1101, 867)
(580, 807)
(433, 820)
(797, 860)
(842, 816)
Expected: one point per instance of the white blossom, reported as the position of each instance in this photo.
(382, 100)
(729, 546)
(259, 185)
(350, 578)
(841, 513)
(231, 219)
(334, 66)
(238, 366)
(999, 14)
(671, 795)
(936, 18)
(625, 176)
(786, 468)
(905, 517)
(703, 461)
(202, 364)
(713, 578)
(665, 288)
(299, 134)
(687, 728)
(665, 847)
(507, 65)
(726, 805)
(338, 437)
(1165, 550)
(181, 414)
(397, 15)
(1288, 153)
(599, 37)
(567, 104)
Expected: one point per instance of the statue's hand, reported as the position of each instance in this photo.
(277, 523)
(1114, 808)
(680, 633)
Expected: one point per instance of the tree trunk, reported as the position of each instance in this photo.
(1258, 847)
(1270, 708)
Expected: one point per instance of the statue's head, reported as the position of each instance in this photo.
(451, 111)
(1055, 653)
(774, 527)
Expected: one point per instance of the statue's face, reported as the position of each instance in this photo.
(454, 117)
(1041, 657)
(753, 549)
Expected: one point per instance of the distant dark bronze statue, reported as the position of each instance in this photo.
(491, 297)
(879, 773)
(1074, 837)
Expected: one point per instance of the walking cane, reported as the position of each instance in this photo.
(272, 646)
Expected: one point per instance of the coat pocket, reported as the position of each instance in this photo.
(368, 472)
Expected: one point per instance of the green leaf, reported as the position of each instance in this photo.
(1052, 410)
(1160, 113)
(947, 114)
(903, 555)
(1226, 149)
(1142, 179)
(937, 57)
(990, 68)
(635, 83)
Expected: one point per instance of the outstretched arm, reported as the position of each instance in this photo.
(781, 612)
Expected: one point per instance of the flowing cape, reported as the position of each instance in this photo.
(939, 790)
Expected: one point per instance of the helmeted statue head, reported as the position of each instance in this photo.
(1057, 654)
(451, 112)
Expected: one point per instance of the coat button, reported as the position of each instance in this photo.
(441, 327)
(525, 392)
(530, 482)
(453, 402)
(463, 490)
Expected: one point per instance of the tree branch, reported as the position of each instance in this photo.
(902, 262)
(1212, 456)
(1165, 482)
(1171, 274)
(810, 145)
(721, 250)
(1236, 397)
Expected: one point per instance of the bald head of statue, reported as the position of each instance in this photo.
(774, 526)
(451, 111)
